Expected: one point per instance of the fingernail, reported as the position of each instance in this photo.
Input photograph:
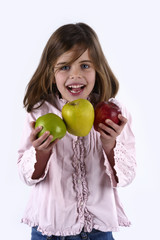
(51, 137)
(107, 121)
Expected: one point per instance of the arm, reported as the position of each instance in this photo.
(33, 160)
(108, 135)
(43, 147)
(119, 150)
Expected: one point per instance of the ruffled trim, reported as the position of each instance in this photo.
(62, 100)
(67, 232)
(109, 170)
(31, 224)
(80, 184)
(70, 232)
(27, 167)
(124, 224)
(125, 169)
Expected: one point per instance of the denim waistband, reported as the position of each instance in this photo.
(93, 235)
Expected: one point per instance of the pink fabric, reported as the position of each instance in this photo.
(78, 188)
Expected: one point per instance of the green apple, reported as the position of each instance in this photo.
(52, 123)
(78, 116)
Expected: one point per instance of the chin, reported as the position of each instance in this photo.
(74, 97)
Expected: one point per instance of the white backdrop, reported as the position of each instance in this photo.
(129, 34)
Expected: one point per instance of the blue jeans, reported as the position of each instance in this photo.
(94, 235)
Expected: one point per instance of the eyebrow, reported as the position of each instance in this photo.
(83, 61)
(86, 61)
(61, 63)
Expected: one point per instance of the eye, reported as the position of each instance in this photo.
(84, 66)
(64, 68)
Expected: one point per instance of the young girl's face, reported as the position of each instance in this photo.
(75, 80)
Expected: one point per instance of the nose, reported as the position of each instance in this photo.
(75, 77)
(75, 73)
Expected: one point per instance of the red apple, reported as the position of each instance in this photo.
(106, 110)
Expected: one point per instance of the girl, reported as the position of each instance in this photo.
(75, 179)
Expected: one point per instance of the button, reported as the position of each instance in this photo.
(81, 203)
(84, 235)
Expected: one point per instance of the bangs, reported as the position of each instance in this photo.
(76, 52)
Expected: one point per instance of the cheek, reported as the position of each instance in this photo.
(59, 78)
(58, 82)
(92, 78)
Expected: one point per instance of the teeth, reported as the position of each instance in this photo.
(76, 86)
(73, 91)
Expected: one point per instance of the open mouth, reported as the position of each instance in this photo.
(76, 89)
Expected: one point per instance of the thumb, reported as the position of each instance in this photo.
(32, 124)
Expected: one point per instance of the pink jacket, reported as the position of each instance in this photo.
(78, 188)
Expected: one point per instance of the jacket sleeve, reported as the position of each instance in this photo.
(27, 155)
(124, 154)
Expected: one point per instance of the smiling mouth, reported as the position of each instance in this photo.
(75, 88)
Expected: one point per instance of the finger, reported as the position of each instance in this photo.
(104, 135)
(107, 130)
(122, 119)
(51, 144)
(112, 125)
(48, 145)
(40, 140)
(32, 124)
(44, 145)
(34, 133)
(117, 128)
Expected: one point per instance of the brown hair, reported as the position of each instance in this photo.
(62, 40)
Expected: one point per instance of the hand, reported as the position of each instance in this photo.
(43, 143)
(110, 132)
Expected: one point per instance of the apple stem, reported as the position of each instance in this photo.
(73, 104)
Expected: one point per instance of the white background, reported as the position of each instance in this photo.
(129, 34)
